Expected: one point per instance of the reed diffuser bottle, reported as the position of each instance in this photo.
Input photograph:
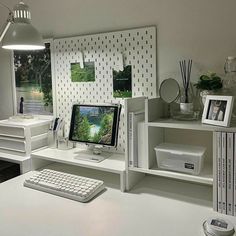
(186, 99)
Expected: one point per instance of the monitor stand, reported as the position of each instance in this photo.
(95, 154)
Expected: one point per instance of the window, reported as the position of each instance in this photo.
(33, 80)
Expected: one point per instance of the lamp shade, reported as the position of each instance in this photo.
(21, 35)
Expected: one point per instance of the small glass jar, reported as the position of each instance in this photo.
(186, 101)
(189, 107)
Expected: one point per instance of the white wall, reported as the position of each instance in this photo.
(6, 95)
(202, 30)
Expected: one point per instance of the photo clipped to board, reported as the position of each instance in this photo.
(218, 110)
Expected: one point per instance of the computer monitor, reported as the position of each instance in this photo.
(97, 126)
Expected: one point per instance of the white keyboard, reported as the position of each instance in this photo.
(70, 186)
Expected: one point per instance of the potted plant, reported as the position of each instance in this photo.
(208, 84)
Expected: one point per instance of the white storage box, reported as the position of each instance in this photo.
(20, 137)
(181, 158)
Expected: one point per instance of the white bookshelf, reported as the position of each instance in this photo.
(158, 130)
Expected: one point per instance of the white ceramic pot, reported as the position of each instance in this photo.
(203, 95)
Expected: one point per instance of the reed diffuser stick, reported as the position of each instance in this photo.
(185, 74)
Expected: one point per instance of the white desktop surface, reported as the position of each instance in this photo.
(144, 211)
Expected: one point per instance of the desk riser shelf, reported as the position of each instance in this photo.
(114, 164)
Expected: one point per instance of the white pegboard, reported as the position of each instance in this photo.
(138, 48)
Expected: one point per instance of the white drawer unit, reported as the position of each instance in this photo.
(23, 136)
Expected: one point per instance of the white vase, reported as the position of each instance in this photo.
(203, 95)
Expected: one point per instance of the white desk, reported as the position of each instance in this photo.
(171, 209)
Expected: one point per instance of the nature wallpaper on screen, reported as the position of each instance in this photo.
(93, 124)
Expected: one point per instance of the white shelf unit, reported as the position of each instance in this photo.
(159, 129)
(19, 137)
(180, 135)
(114, 164)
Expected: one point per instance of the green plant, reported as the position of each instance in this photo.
(210, 81)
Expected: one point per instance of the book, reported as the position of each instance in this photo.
(223, 172)
(234, 210)
(219, 175)
(134, 119)
(230, 173)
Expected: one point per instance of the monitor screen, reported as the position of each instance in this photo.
(96, 124)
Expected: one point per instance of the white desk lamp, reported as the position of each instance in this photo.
(18, 33)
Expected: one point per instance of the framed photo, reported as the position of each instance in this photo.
(218, 110)
(122, 82)
(86, 74)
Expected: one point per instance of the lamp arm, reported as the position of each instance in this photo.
(10, 20)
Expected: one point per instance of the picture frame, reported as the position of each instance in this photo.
(218, 110)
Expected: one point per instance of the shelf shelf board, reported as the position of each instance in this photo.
(192, 125)
(13, 158)
(205, 176)
(113, 164)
